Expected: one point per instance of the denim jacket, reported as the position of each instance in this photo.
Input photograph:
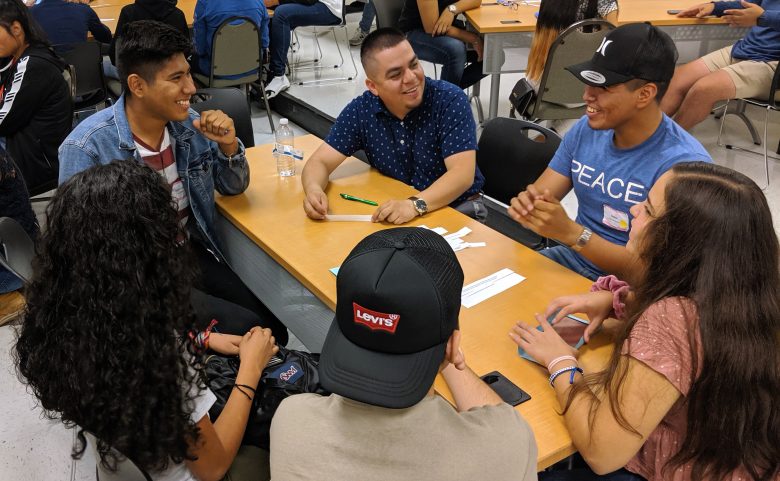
(106, 136)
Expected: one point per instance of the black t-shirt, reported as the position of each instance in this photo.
(410, 15)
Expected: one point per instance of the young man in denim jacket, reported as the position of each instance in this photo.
(152, 123)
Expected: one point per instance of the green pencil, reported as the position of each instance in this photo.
(357, 199)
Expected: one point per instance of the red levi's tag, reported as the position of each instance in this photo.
(375, 320)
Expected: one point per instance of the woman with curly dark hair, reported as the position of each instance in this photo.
(102, 344)
(692, 390)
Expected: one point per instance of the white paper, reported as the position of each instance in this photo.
(489, 286)
(439, 230)
(348, 218)
(457, 235)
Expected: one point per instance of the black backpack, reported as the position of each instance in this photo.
(287, 373)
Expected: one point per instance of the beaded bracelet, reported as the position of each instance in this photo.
(559, 359)
(574, 370)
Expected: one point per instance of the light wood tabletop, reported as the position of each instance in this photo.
(271, 213)
(488, 17)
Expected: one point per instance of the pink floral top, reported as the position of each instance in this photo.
(660, 339)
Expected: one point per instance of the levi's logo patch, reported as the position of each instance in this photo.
(375, 320)
(288, 372)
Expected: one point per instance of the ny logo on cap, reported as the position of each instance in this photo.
(603, 47)
(375, 320)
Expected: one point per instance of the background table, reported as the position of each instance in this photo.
(502, 40)
(284, 257)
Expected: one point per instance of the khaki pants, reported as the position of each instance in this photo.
(751, 78)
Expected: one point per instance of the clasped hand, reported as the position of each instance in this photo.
(542, 213)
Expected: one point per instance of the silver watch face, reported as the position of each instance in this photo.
(452, 8)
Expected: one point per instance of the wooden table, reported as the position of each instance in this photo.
(270, 215)
(502, 37)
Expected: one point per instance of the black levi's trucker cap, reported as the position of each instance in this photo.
(633, 51)
(398, 299)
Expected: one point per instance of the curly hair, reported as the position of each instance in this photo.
(100, 344)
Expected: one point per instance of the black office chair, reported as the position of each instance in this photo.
(16, 249)
(510, 160)
(89, 83)
(232, 101)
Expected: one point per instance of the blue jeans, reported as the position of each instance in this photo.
(571, 260)
(8, 281)
(369, 12)
(287, 18)
(447, 51)
(585, 474)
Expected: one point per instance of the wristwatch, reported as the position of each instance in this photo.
(582, 239)
(419, 205)
(453, 9)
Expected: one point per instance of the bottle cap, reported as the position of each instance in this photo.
(282, 121)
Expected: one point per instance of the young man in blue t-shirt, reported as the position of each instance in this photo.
(612, 156)
(742, 70)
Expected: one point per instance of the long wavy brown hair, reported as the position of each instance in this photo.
(715, 245)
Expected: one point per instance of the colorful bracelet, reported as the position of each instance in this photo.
(201, 339)
(574, 370)
(559, 359)
(619, 291)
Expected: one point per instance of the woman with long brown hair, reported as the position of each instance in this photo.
(692, 389)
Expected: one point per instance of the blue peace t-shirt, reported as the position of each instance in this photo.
(608, 181)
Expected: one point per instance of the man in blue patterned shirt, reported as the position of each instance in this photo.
(412, 128)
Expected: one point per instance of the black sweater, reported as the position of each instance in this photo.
(35, 115)
(164, 11)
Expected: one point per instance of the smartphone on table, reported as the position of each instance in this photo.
(673, 12)
(570, 328)
(506, 389)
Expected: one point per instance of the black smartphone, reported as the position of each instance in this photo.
(510, 21)
(673, 12)
(506, 389)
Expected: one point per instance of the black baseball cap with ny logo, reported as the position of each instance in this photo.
(633, 51)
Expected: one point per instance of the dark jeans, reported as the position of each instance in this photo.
(220, 294)
(585, 474)
(450, 53)
(474, 208)
(287, 18)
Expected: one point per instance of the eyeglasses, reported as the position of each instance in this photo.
(509, 3)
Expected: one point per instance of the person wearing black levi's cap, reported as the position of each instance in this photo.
(612, 155)
(395, 329)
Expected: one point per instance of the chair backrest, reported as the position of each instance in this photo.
(558, 87)
(87, 63)
(126, 469)
(16, 249)
(233, 102)
(388, 12)
(235, 51)
(509, 159)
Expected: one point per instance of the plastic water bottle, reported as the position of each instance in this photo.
(283, 150)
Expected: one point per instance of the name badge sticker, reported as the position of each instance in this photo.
(615, 219)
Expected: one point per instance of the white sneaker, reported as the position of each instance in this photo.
(358, 38)
(277, 85)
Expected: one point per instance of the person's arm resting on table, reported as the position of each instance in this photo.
(458, 178)
(468, 390)
(231, 170)
(539, 209)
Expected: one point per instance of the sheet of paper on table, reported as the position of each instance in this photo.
(489, 286)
